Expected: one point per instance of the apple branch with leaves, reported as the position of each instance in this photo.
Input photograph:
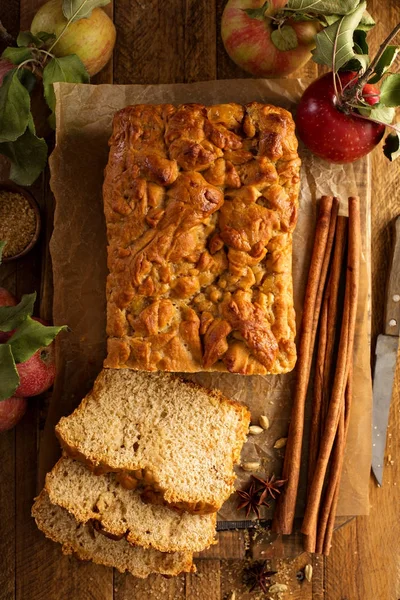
(27, 336)
(34, 60)
(343, 47)
(282, 13)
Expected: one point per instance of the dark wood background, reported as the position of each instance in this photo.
(164, 42)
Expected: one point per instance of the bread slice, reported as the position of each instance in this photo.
(178, 439)
(88, 544)
(122, 513)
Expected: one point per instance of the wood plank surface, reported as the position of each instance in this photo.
(180, 41)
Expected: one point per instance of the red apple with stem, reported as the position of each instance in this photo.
(37, 374)
(248, 40)
(327, 124)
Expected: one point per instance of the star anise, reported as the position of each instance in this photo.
(269, 486)
(250, 499)
(256, 575)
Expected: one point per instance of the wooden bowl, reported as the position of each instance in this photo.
(9, 186)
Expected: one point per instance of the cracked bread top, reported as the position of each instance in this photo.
(200, 205)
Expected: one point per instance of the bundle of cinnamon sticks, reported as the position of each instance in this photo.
(327, 337)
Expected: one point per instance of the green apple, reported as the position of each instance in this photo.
(91, 39)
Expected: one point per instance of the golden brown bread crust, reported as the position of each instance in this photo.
(200, 205)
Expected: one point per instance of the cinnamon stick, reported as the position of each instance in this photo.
(317, 395)
(342, 368)
(326, 536)
(285, 509)
(318, 382)
(325, 266)
(331, 299)
(332, 485)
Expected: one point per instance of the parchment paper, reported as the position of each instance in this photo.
(78, 248)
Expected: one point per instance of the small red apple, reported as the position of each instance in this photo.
(6, 299)
(11, 411)
(36, 375)
(248, 41)
(371, 93)
(92, 39)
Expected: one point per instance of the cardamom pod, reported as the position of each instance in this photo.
(281, 443)
(250, 466)
(277, 588)
(255, 430)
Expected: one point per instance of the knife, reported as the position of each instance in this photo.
(385, 364)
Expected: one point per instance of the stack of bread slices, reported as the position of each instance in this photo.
(147, 462)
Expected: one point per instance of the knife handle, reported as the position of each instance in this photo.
(392, 312)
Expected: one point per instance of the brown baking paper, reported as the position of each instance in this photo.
(78, 249)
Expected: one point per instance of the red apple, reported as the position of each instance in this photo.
(371, 93)
(6, 299)
(11, 411)
(332, 129)
(91, 39)
(248, 41)
(36, 375)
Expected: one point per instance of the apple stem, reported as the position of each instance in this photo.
(364, 78)
(45, 52)
(333, 67)
(29, 60)
(67, 24)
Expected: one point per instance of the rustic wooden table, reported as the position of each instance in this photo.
(179, 41)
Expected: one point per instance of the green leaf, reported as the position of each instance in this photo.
(306, 17)
(360, 41)
(27, 78)
(12, 316)
(257, 13)
(390, 90)
(391, 148)
(324, 7)
(367, 22)
(2, 246)
(384, 114)
(384, 63)
(9, 378)
(69, 68)
(25, 38)
(29, 337)
(284, 38)
(14, 107)
(361, 60)
(17, 55)
(80, 9)
(379, 113)
(28, 156)
(334, 45)
(330, 19)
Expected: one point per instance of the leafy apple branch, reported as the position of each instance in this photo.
(343, 47)
(34, 59)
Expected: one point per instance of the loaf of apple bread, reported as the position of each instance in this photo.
(200, 205)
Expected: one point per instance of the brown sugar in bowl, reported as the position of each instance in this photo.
(23, 225)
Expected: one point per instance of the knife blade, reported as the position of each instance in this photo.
(385, 363)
